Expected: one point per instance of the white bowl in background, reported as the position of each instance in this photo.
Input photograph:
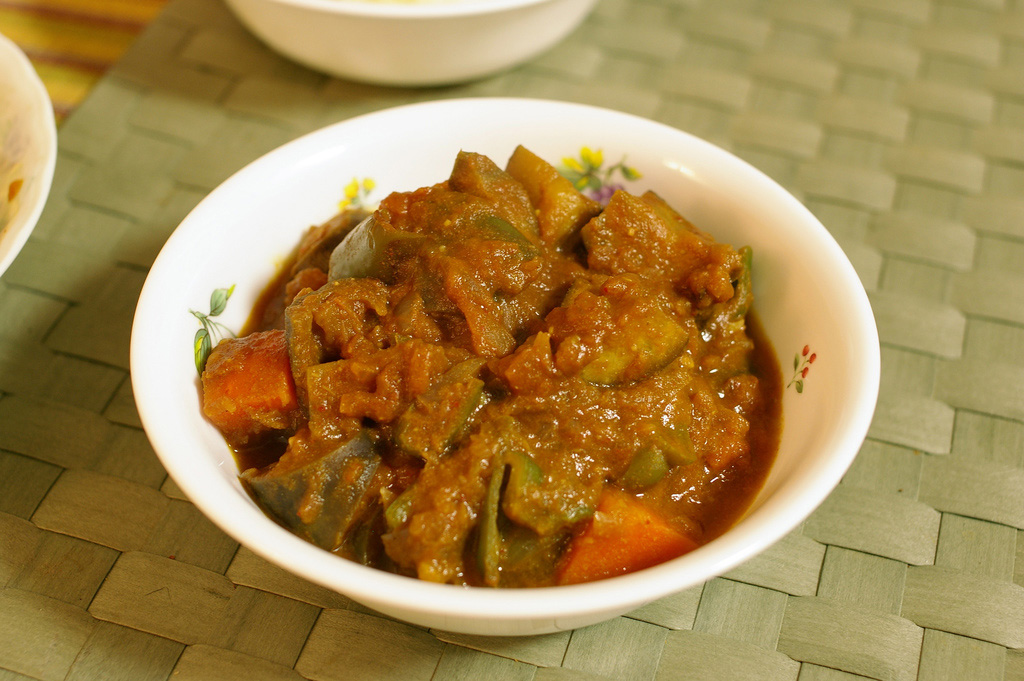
(806, 293)
(28, 149)
(419, 43)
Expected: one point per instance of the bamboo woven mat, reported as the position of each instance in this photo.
(900, 123)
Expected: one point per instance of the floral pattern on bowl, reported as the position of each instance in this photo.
(211, 331)
(802, 362)
(590, 176)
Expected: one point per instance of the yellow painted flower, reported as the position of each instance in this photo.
(352, 189)
(589, 175)
(572, 164)
(356, 192)
(594, 159)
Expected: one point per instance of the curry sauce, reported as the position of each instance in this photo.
(496, 380)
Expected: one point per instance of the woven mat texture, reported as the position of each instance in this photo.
(900, 123)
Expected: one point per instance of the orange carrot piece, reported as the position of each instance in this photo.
(248, 390)
(623, 536)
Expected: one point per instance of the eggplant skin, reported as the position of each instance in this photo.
(322, 498)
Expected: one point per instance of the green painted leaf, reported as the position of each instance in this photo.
(219, 300)
(799, 386)
(201, 346)
(630, 173)
(796, 362)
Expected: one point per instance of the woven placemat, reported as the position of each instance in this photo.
(900, 123)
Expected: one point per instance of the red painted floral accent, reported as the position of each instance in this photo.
(801, 367)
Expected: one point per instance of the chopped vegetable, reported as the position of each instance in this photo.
(524, 524)
(528, 558)
(319, 493)
(477, 175)
(332, 322)
(532, 501)
(729, 316)
(370, 250)
(616, 330)
(561, 209)
(397, 512)
(248, 391)
(646, 469)
(316, 248)
(643, 235)
(623, 536)
(489, 545)
(433, 421)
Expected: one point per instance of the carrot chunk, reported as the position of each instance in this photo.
(623, 536)
(248, 390)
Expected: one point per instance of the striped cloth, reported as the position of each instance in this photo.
(71, 43)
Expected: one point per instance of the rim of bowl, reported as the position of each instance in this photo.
(17, 231)
(413, 9)
(757, 530)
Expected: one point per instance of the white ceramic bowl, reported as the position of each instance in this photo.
(28, 149)
(412, 42)
(806, 293)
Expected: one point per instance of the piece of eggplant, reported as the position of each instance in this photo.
(644, 336)
(370, 249)
(522, 519)
(317, 246)
(532, 499)
(489, 543)
(435, 419)
(730, 316)
(561, 209)
(477, 175)
(320, 496)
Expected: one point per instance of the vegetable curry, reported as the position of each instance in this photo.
(496, 380)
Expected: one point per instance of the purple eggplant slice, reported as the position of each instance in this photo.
(320, 494)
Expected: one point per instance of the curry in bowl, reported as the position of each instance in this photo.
(497, 380)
